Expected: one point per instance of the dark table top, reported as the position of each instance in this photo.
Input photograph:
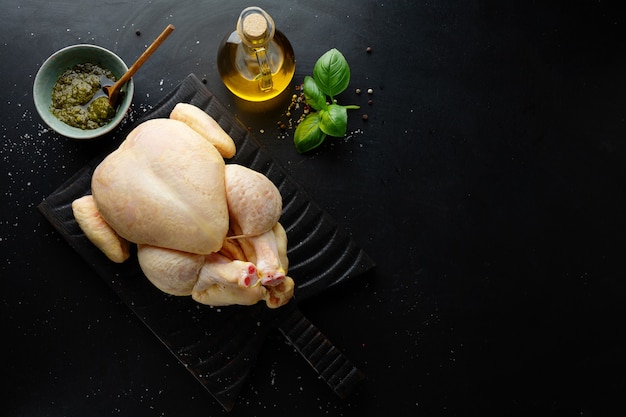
(488, 184)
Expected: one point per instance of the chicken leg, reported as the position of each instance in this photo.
(254, 207)
(178, 273)
(218, 268)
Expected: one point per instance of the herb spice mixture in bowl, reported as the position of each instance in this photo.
(76, 63)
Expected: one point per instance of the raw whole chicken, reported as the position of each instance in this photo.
(203, 228)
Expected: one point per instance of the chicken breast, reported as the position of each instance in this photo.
(164, 186)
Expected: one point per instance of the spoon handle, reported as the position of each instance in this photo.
(146, 54)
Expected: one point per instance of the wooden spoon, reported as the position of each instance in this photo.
(113, 92)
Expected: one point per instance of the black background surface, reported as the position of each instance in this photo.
(488, 184)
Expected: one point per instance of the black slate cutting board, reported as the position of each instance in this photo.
(219, 345)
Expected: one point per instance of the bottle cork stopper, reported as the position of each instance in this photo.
(255, 26)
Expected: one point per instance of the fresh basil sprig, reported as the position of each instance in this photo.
(331, 76)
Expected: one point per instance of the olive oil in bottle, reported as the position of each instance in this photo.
(256, 62)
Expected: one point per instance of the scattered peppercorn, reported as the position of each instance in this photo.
(369, 49)
(365, 117)
(370, 91)
(370, 102)
(204, 81)
(358, 91)
(138, 32)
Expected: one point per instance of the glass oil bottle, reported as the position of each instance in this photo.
(256, 61)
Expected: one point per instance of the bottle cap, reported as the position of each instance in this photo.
(255, 27)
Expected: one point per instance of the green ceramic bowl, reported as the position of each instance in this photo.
(64, 59)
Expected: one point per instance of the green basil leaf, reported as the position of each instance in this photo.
(334, 120)
(308, 134)
(313, 95)
(332, 73)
